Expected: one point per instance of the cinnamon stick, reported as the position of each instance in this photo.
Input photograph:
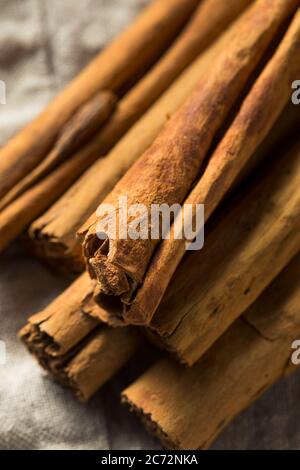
(67, 337)
(23, 209)
(53, 234)
(128, 110)
(206, 24)
(253, 354)
(167, 170)
(130, 54)
(27, 207)
(245, 250)
(260, 109)
(76, 349)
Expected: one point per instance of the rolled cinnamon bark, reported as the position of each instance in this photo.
(187, 409)
(53, 233)
(41, 193)
(209, 20)
(27, 207)
(245, 250)
(167, 170)
(67, 331)
(197, 35)
(262, 106)
(130, 54)
(76, 349)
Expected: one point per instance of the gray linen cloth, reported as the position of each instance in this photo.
(43, 44)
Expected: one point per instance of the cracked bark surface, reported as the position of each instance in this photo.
(246, 249)
(188, 408)
(171, 165)
(75, 348)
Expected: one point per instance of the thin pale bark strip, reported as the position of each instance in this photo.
(167, 170)
(81, 126)
(246, 249)
(127, 56)
(187, 409)
(53, 234)
(262, 106)
(76, 349)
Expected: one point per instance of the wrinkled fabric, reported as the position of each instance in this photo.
(43, 44)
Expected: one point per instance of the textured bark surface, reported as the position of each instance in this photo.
(188, 408)
(170, 166)
(207, 23)
(255, 239)
(53, 234)
(29, 205)
(260, 109)
(76, 349)
(46, 191)
(271, 423)
(133, 51)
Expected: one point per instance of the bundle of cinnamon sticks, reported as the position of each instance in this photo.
(200, 115)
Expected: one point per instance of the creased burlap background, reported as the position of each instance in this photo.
(43, 43)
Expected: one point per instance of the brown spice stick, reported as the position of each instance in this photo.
(209, 20)
(75, 348)
(82, 125)
(129, 109)
(68, 341)
(27, 207)
(165, 173)
(108, 350)
(198, 34)
(244, 252)
(30, 204)
(53, 234)
(187, 409)
(133, 51)
(262, 106)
